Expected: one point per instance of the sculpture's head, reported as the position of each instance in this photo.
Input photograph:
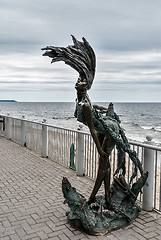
(81, 85)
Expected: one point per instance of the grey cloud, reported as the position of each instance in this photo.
(46, 89)
(132, 66)
(37, 82)
(109, 25)
(121, 82)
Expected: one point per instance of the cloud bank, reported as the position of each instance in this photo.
(125, 35)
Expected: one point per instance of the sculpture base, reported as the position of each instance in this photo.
(95, 218)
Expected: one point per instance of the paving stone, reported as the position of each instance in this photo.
(158, 231)
(95, 237)
(7, 232)
(138, 230)
(30, 236)
(78, 236)
(14, 237)
(35, 238)
(110, 237)
(149, 224)
(67, 232)
(6, 223)
(140, 220)
(20, 232)
(54, 238)
(63, 237)
(138, 236)
(55, 233)
(138, 225)
(150, 229)
(151, 235)
(42, 235)
(155, 238)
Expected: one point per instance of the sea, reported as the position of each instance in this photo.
(137, 119)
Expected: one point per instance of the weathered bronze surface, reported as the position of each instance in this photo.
(104, 125)
(95, 218)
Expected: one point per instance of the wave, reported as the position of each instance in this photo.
(66, 118)
(153, 128)
(136, 124)
(58, 118)
(145, 127)
(158, 129)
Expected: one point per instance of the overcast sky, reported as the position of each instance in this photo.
(125, 35)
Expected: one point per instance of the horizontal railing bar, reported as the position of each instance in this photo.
(47, 124)
(145, 145)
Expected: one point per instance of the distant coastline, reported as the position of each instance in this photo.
(8, 101)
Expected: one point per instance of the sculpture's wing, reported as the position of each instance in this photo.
(79, 56)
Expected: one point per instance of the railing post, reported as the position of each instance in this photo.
(23, 135)
(8, 127)
(80, 152)
(44, 148)
(148, 166)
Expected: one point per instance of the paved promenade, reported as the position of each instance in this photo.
(31, 201)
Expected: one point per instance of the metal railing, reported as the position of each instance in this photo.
(56, 143)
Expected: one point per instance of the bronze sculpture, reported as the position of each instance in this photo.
(104, 126)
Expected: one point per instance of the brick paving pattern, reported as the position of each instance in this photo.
(31, 201)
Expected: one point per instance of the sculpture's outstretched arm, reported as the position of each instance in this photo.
(89, 119)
